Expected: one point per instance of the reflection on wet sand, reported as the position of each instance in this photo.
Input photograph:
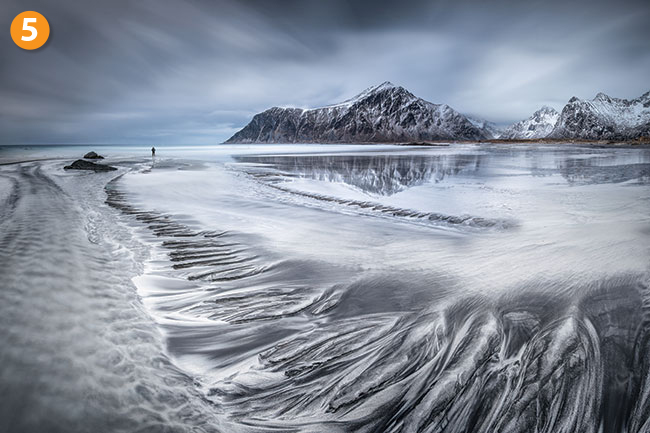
(375, 174)
(594, 171)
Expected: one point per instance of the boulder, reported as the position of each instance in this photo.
(80, 164)
(93, 155)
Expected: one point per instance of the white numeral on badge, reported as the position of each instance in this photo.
(30, 28)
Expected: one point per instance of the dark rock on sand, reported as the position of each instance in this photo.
(80, 164)
(93, 155)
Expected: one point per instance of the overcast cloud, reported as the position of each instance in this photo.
(172, 71)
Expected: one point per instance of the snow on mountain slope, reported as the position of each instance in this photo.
(490, 129)
(383, 113)
(604, 117)
(539, 125)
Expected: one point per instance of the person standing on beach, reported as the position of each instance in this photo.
(153, 152)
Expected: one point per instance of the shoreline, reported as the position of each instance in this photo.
(633, 144)
(23, 161)
(531, 144)
(62, 223)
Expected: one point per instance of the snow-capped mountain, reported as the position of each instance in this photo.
(490, 129)
(604, 117)
(383, 113)
(539, 125)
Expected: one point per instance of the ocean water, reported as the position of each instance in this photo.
(477, 288)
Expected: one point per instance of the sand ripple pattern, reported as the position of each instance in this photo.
(78, 353)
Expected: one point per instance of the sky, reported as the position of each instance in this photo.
(196, 71)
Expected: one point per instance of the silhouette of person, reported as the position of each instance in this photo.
(153, 152)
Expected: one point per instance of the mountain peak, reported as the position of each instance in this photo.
(645, 97)
(605, 118)
(539, 125)
(546, 109)
(384, 85)
(602, 97)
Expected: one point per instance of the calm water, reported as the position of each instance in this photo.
(327, 288)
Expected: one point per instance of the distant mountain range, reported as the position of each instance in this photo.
(490, 129)
(604, 118)
(539, 125)
(387, 113)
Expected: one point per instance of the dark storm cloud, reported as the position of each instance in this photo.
(195, 71)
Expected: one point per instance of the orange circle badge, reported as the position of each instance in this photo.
(30, 30)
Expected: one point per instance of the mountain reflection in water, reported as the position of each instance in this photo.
(375, 174)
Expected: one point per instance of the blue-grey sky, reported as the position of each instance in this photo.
(193, 71)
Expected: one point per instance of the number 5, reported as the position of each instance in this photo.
(30, 28)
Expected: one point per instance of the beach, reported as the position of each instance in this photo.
(326, 288)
